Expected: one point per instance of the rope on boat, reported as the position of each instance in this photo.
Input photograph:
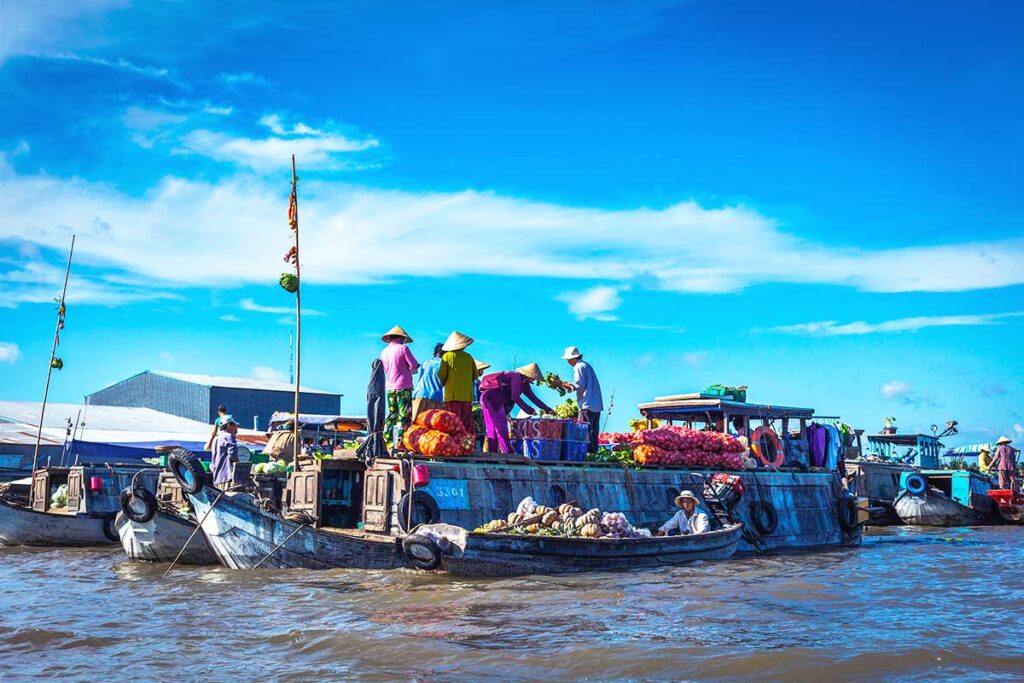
(278, 546)
(194, 532)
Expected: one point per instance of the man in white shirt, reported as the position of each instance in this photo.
(689, 520)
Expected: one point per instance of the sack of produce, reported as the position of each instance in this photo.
(441, 420)
(646, 454)
(438, 443)
(412, 436)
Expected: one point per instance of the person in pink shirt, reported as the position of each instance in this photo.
(399, 365)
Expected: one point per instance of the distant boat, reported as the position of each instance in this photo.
(495, 554)
(946, 498)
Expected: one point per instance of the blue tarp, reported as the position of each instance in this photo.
(94, 452)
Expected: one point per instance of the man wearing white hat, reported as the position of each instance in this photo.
(689, 520)
(588, 392)
(1005, 463)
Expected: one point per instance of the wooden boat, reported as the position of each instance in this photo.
(243, 536)
(161, 539)
(490, 554)
(88, 517)
(946, 498)
(879, 482)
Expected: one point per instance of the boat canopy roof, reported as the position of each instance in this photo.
(330, 423)
(903, 439)
(685, 406)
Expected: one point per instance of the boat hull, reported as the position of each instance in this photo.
(471, 493)
(244, 537)
(24, 526)
(879, 482)
(162, 538)
(932, 508)
(498, 555)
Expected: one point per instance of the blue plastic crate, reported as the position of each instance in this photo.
(575, 451)
(538, 449)
(575, 430)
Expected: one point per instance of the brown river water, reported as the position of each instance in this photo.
(909, 605)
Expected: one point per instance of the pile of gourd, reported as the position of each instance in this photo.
(567, 521)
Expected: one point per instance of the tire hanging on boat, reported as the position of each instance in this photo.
(110, 528)
(764, 517)
(847, 512)
(187, 469)
(916, 484)
(418, 501)
(138, 504)
(422, 551)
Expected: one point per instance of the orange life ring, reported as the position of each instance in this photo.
(763, 432)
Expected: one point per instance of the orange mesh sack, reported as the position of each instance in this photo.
(411, 439)
(441, 420)
(438, 444)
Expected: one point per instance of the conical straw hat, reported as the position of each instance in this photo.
(456, 342)
(397, 331)
(480, 365)
(1001, 440)
(531, 371)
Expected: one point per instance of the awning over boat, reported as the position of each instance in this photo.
(683, 406)
(98, 452)
(969, 450)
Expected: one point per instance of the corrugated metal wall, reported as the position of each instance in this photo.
(167, 395)
(244, 404)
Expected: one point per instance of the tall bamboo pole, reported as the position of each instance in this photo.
(296, 447)
(49, 367)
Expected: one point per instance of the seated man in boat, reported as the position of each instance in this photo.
(689, 520)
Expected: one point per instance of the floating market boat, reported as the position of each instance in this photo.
(878, 474)
(156, 528)
(463, 553)
(69, 506)
(946, 498)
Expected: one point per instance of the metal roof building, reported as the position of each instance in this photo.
(196, 397)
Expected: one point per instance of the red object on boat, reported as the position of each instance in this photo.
(95, 484)
(1006, 498)
(420, 475)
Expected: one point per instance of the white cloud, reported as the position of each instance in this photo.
(251, 305)
(1018, 431)
(9, 352)
(388, 234)
(596, 302)
(695, 359)
(321, 149)
(33, 26)
(230, 318)
(894, 389)
(267, 373)
(829, 328)
(166, 356)
(120, 64)
(244, 78)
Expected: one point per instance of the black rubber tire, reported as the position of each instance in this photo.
(764, 516)
(847, 511)
(187, 469)
(421, 501)
(133, 497)
(422, 552)
(110, 527)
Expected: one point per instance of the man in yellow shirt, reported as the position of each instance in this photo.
(984, 458)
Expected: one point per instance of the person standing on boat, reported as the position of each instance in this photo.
(588, 392)
(399, 364)
(1005, 463)
(225, 453)
(221, 412)
(689, 520)
(429, 392)
(457, 372)
(499, 393)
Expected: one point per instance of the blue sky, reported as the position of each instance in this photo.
(819, 200)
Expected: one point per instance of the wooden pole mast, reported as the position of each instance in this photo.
(296, 448)
(49, 367)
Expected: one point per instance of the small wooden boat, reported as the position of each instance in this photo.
(88, 517)
(243, 536)
(490, 554)
(946, 498)
(162, 538)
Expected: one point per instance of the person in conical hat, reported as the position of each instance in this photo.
(457, 374)
(500, 392)
(1005, 463)
(399, 364)
(984, 458)
(588, 392)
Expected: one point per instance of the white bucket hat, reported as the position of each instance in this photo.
(686, 494)
(572, 353)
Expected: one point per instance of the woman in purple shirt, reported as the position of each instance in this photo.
(399, 364)
(499, 393)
